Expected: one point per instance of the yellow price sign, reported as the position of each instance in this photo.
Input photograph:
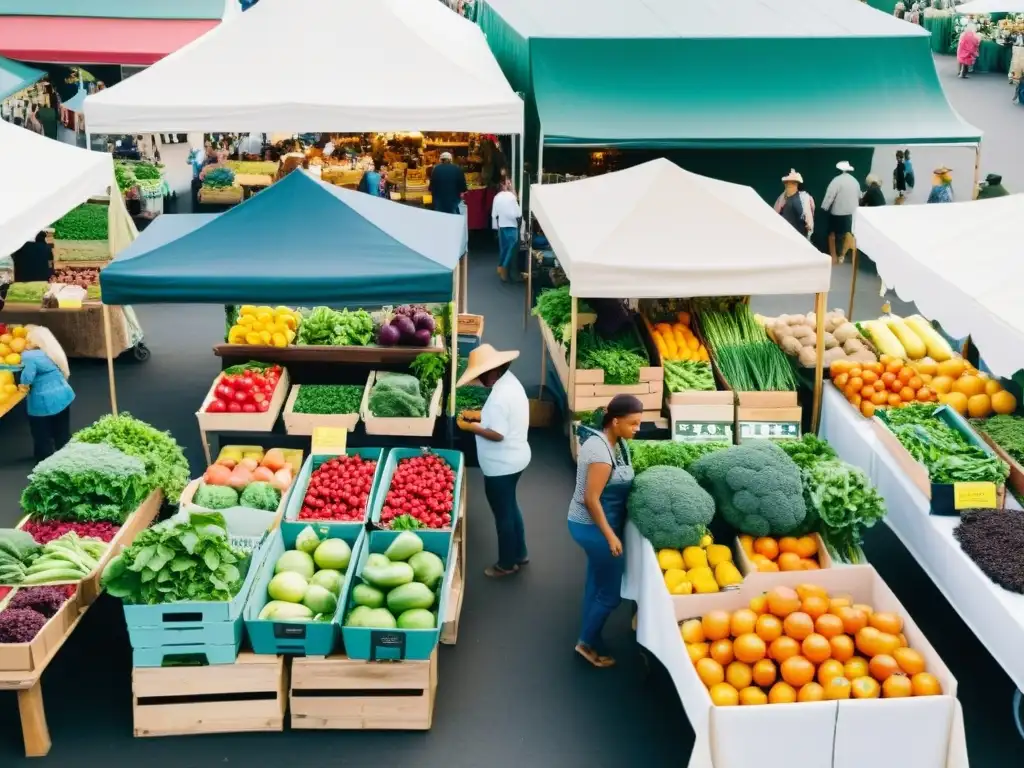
(974, 495)
(329, 441)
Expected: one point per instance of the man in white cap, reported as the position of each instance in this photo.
(447, 185)
(842, 198)
(796, 206)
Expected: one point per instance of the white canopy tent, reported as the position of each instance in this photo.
(991, 6)
(959, 263)
(414, 66)
(658, 231)
(44, 179)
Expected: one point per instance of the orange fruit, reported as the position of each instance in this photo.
(807, 546)
(911, 662)
(886, 622)
(724, 695)
(835, 603)
(879, 398)
(841, 380)
(867, 641)
(894, 400)
(797, 671)
(697, 651)
(853, 619)
(856, 667)
(768, 627)
(867, 405)
(855, 401)
(691, 631)
(864, 608)
(905, 374)
(865, 688)
(870, 377)
(829, 669)
(782, 693)
(742, 622)
(856, 383)
(783, 601)
(798, 625)
(897, 687)
(811, 590)
(721, 651)
(829, 625)
(765, 673)
(783, 648)
(767, 566)
(925, 684)
(738, 675)
(747, 542)
(749, 648)
(811, 692)
(716, 625)
(882, 667)
(838, 688)
(888, 378)
(789, 561)
(903, 640)
(841, 645)
(759, 604)
(766, 546)
(751, 696)
(888, 643)
(856, 370)
(814, 606)
(915, 383)
(816, 648)
(809, 564)
(710, 672)
(787, 544)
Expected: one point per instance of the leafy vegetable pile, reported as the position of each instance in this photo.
(324, 399)
(808, 450)
(178, 560)
(396, 395)
(554, 307)
(944, 452)
(27, 293)
(86, 222)
(994, 539)
(472, 396)
(668, 453)
(429, 368)
(86, 482)
(620, 357)
(324, 326)
(1006, 431)
(688, 376)
(164, 460)
(749, 361)
(217, 177)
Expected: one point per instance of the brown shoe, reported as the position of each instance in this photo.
(503, 274)
(497, 572)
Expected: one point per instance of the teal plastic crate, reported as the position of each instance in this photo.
(398, 644)
(298, 638)
(291, 525)
(199, 655)
(456, 459)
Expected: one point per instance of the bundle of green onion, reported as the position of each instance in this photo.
(748, 360)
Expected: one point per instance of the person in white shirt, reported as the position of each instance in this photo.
(502, 448)
(505, 215)
(842, 198)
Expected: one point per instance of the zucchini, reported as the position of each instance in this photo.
(911, 342)
(938, 349)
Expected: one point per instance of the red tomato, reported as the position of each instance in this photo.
(217, 406)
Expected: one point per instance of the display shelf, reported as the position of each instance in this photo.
(324, 354)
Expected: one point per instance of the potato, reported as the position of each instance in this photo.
(791, 346)
(830, 340)
(802, 331)
(864, 356)
(830, 324)
(853, 345)
(807, 357)
(780, 330)
(839, 313)
(812, 320)
(845, 332)
(793, 319)
(809, 341)
(834, 355)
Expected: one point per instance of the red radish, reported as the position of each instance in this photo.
(217, 474)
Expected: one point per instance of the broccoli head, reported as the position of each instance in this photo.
(756, 487)
(260, 495)
(669, 508)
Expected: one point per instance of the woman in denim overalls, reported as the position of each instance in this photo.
(597, 514)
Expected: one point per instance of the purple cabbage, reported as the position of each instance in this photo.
(405, 327)
(388, 336)
(20, 625)
(423, 321)
(44, 600)
(422, 338)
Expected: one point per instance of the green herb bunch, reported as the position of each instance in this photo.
(86, 222)
(324, 399)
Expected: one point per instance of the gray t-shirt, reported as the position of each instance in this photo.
(595, 450)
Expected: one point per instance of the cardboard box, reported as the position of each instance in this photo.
(747, 567)
(767, 415)
(304, 423)
(243, 422)
(923, 732)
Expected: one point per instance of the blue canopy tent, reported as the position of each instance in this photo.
(15, 76)
(301, 242)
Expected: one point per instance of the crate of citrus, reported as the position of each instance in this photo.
(12, 344)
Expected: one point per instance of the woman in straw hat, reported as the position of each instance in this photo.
(796, 206)
(45, 378)
(597, 515)
(942, 186)
(502, 446)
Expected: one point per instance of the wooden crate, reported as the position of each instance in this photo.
(304, 423)
(338, 693)
(220, 195)
(243, 422)
(471, 325)
(421, 426)
(32, 657)
(747, 566)
(249, 695)
(76, 252)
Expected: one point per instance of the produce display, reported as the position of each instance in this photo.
(217, 176)
(554, 307)
(264, 326)
(28, 293)
(328, 399)
(688, 376)
(944, 451)
(253, 167)
(398, 588)
(307, 580)
(620, 354)
(84, 277)
(994, 540)
(747, 358)
(27, 612)
(699, 569)
(912, 338)
(245, 389)
(86, 222)
(397, 395)
(339, 490)
(12, 341)
(1006, 431)
(67, 558)
(676, 342)
(411, 326)
(8, 389)
(669, 453)
(420, 495)
(329, 327)
(137, 174)
(797, 336)
(803, 645)
(44, 531)
(178, 560)
(430, 368)
(789, 553)
(669, 508)
(245, 482)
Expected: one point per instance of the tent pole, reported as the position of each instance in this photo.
(455, 341)
(110, 359)
(570, 396)
(464, 283)
(528, 219)
(819, 361)
(853, 284)
(977, 170)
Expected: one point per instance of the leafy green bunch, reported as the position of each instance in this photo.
(86, 222)
(328, 327)
(325, 399)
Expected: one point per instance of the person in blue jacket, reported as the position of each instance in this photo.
(45, 378)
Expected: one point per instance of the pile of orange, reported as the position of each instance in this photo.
(801, 645)
(786, 554)
(888, 383)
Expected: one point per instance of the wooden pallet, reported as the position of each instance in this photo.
(247, 696)
(338, 693)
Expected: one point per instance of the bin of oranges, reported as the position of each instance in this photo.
(886, 384)
(768, 554)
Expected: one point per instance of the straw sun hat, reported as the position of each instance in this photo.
(483, 359)
(793, 176)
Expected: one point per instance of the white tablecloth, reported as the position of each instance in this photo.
(995, 615)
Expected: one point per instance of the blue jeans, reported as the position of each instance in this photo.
(508, 519)
(508, 246)
(604, 581)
